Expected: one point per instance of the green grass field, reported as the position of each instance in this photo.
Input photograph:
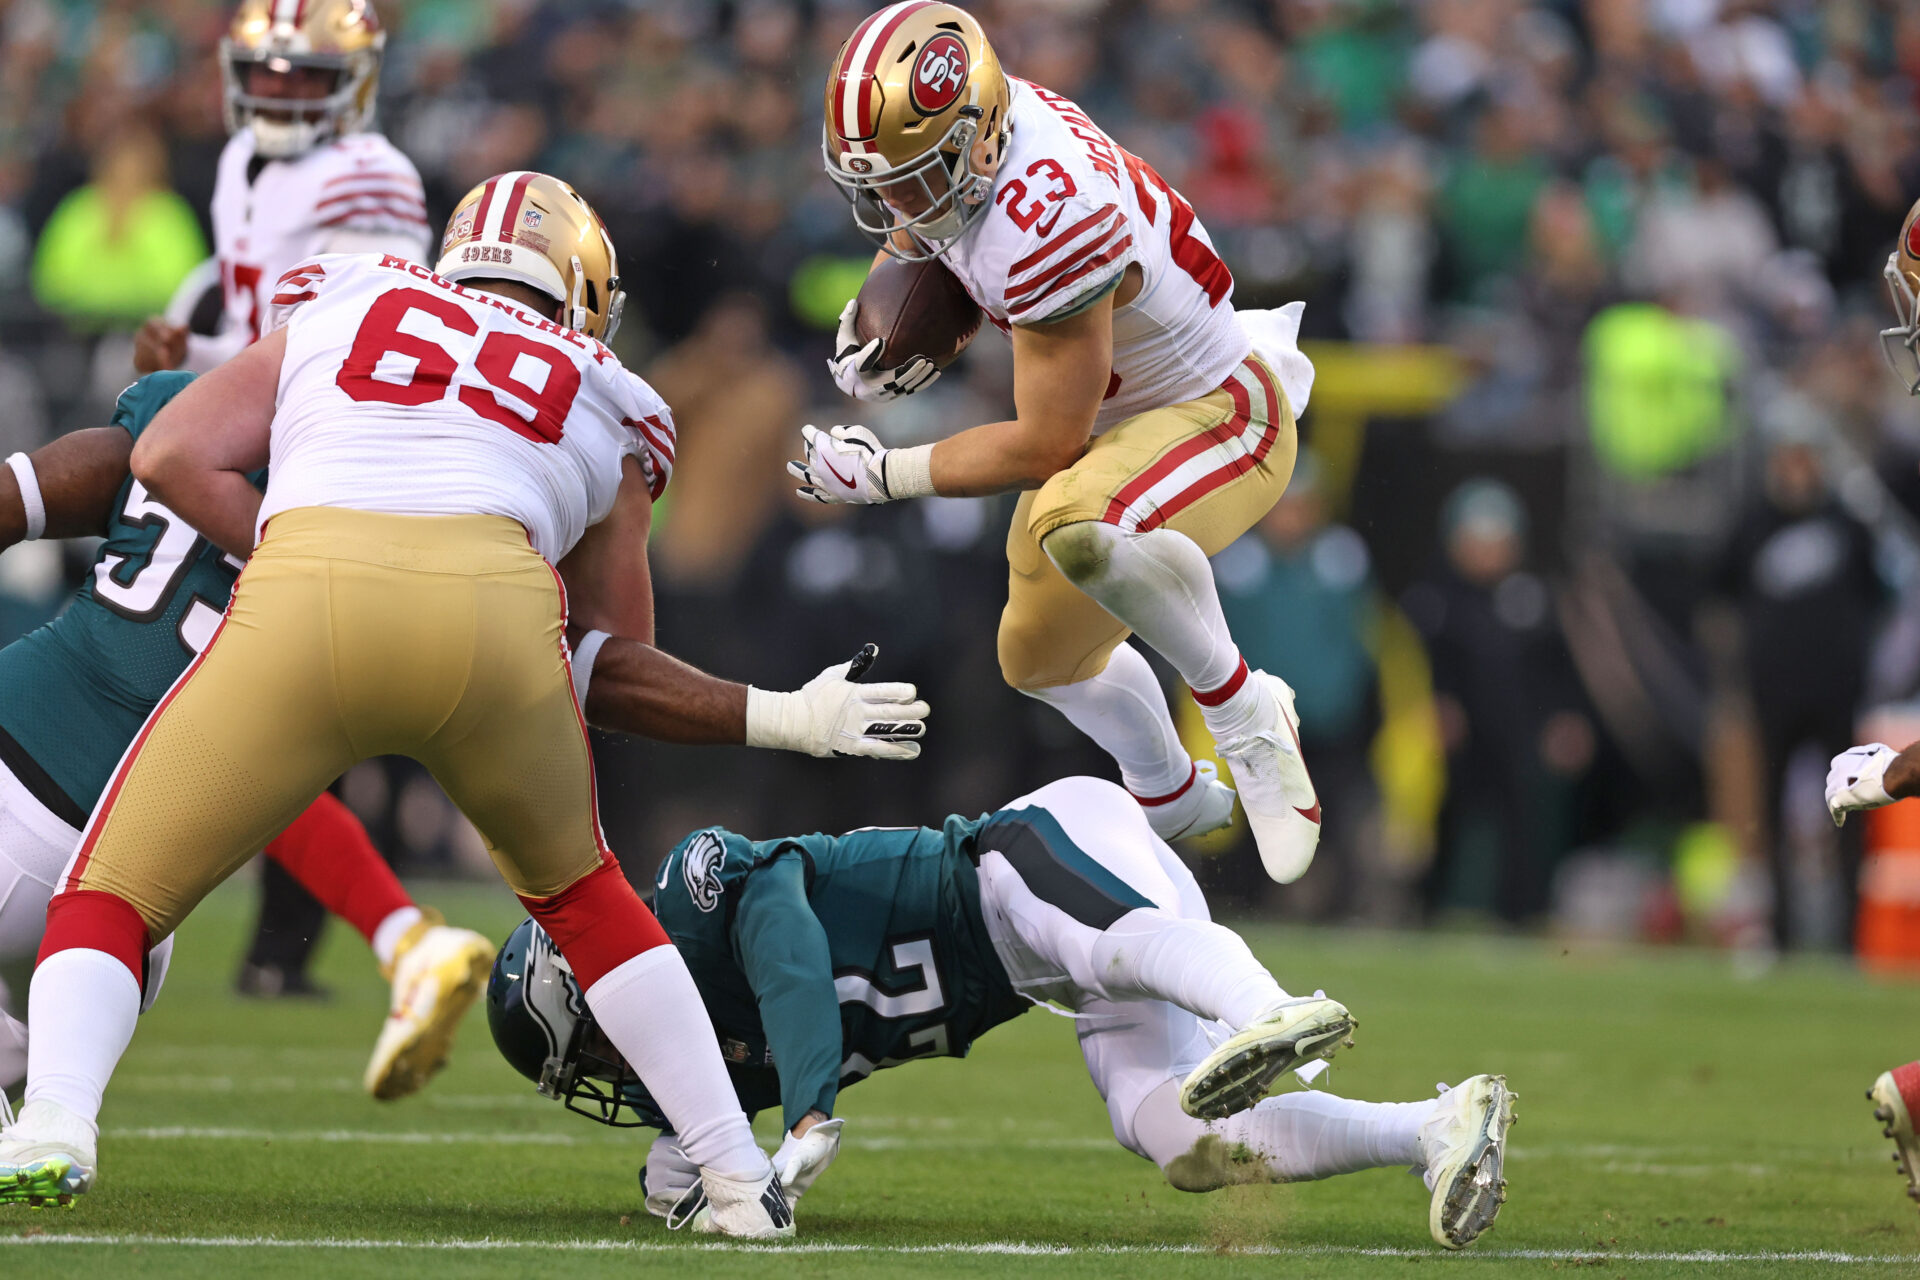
(1674, 1121)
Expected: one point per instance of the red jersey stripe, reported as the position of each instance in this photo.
(1061, 286)
(1059, 241)
(1067, 263)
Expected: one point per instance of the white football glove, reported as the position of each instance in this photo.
(834, 715)
(1854, 780)
(801, 1160)
(854, 371)
(669, 1177)
(847, 464)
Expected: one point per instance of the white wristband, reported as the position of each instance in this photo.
(771, 721)
(583, 664)
(29, 494)
(908, 472)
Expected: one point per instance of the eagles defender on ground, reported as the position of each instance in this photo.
(451, 462)
(1155, 425)
(823, 958)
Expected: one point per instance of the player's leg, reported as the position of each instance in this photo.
(1081, 906)
(1058, 645)
(436, 971)
(514, 757)
(1132, 524)
(1896, 1105)
(245, 739)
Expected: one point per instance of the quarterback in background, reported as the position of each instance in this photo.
(302, 173)
(824, 958)
(1873, 775)
(1154, 424)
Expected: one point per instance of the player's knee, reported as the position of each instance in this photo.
(1082, 551)
(1034, 658)
(96, 920)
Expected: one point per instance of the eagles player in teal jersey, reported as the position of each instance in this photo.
(74, 693)
(824, 958)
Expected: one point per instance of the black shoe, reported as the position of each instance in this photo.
(271, 982)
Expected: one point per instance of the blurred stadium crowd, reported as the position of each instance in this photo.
(1606, 533)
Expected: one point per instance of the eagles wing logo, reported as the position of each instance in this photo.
(700, 869)
(939, 74)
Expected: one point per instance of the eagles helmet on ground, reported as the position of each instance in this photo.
(341, 36)
(535, 229)
(543, 1028)
(1902, 342)
(916, 108)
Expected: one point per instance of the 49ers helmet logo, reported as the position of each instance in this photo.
(1913, 238)
(939, 73)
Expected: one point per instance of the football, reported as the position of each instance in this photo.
(916, 309)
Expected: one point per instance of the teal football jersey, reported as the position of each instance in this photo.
(883, 923)
(75, 692)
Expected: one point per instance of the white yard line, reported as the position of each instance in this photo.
(1712, 1257)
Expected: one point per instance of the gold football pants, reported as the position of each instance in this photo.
(1209, 468)
(351, 635)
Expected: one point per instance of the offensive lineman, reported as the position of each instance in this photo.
(1873, 775)
(1154, 425)
(452, 462)
(302, 174)
(822, 958)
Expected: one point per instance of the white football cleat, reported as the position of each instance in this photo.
(1271, 777)
(1240, 1071)
(745, 1208)
(438, 972)
(1895, 1097)
(1204, 805)
(1464, 1148)
(46, 1156)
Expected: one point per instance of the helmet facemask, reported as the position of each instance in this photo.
(1901, 344)
(287, 127)
(591, 1079)
(954, 178)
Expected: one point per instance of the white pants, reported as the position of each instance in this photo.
(35, 847)
(1132, 1047)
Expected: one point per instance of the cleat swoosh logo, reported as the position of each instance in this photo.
(1311, 815)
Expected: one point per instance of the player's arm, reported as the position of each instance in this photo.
(609, 584)
(1871, 776)
(196, 454)
(64, 489)
(1060, 375)
(635, 688)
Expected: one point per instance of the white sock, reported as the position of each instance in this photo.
(1160, 584)
(82, 1006)
(13, 1052)
(387, 934)
(1125, 711)
(653, 1013)
(1203, 967)
(1297, 1137)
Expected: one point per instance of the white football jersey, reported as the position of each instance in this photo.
(405, 393)
(1070, 210)
(358, 192)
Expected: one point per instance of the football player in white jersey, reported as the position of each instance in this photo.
(454, 457)
(1154, 425)
(302, 173)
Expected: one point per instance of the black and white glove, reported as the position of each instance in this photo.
(1855, 780)
(847, 464)
(834, 715)
(855, 371)
(801, 1160)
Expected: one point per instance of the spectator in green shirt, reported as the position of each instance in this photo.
(112, 251)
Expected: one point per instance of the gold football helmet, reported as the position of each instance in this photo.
(1902, 342)
(916, 124)
(536, 230)
(290, 38)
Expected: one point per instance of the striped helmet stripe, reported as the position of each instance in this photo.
(856, 104)
(511, 209)
(480, 210)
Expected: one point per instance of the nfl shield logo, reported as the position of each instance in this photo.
(531, 219)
